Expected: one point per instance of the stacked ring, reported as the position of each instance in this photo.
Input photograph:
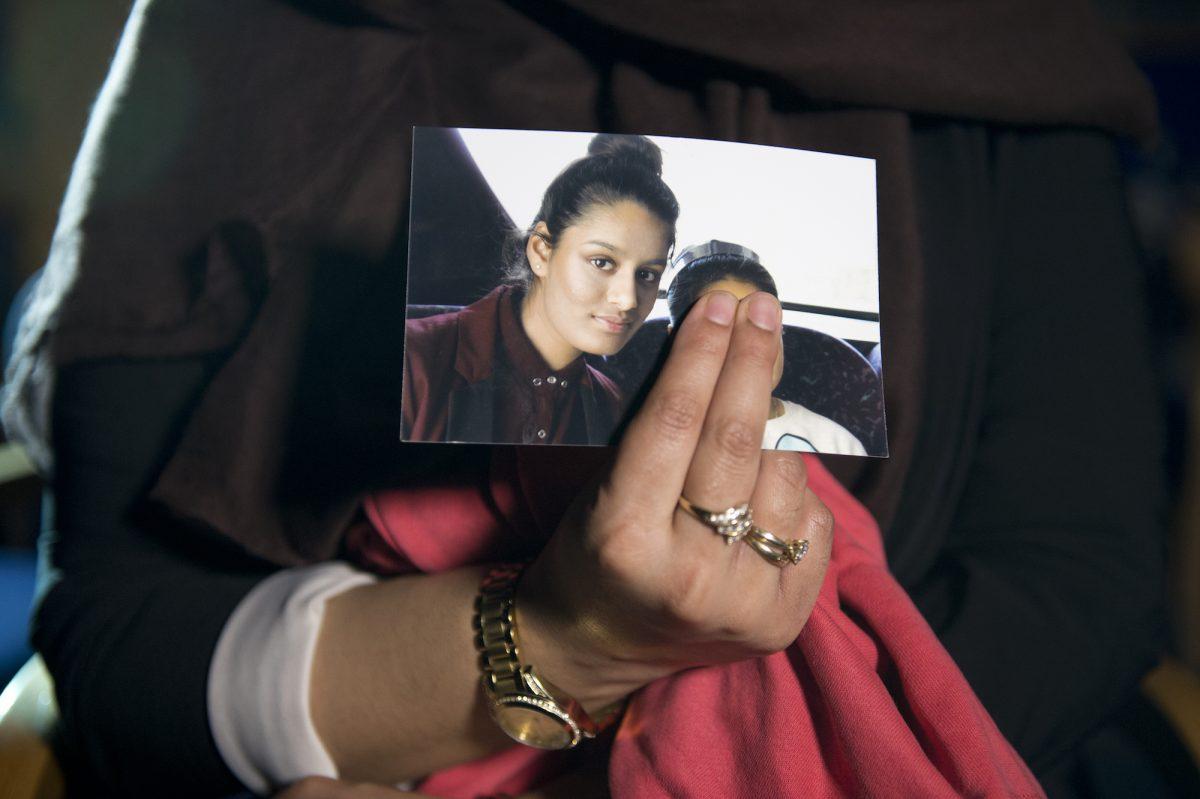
(737, 524)
(774, 549)
(731, 524)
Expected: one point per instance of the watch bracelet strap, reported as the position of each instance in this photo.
(498, 643)
(495, 633)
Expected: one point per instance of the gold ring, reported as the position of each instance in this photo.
(731, 524)
(774, 549)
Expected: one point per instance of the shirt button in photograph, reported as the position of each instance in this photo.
(551, 379)
(537, 381)
(541, 433)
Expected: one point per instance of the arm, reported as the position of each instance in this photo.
(134, 611)
(137, 606)
(415, 706)
(1048, 593)
(613, 602)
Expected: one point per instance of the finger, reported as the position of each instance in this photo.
(654, 454)
(724, 467)
(800, 583)
(779, 495)
(786, 507)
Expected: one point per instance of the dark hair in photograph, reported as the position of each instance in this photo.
(617, 167)
(701, 265)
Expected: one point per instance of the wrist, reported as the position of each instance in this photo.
(574, 650)
(523, 702)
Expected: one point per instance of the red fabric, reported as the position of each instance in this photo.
(865, 703)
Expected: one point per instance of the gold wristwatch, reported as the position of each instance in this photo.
(528, 708)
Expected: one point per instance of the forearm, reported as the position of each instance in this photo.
(395, 690)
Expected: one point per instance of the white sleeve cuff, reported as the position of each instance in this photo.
(258, 683)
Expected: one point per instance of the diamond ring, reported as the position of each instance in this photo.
(731, 524)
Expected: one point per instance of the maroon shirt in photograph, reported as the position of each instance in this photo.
(474, 376)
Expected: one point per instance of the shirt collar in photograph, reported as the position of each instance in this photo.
(526, 362)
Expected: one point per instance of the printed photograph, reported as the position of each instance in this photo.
(548, 270)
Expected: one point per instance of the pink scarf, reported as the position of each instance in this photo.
(866, 702)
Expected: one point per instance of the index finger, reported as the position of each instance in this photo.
(652, 460)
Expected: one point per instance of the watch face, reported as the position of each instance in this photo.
(533, 722)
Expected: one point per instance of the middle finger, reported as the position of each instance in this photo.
(724, 467)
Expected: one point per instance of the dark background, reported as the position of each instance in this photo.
(54, 53)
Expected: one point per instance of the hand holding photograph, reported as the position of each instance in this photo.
(548, 334)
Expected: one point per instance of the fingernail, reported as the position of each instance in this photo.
(764, 311)
(721, 307)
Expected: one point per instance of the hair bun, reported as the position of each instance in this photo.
(635, 149)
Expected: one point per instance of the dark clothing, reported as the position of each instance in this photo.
(474, 376)
(219, 319)
(268, 186)
(541, 405)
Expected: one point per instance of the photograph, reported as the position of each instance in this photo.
(548, 271)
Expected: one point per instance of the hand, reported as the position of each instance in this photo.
(631, 588)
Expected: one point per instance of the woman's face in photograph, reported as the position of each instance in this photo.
(596, 286)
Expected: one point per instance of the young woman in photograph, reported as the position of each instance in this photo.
(722, 266)
(510, 367)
